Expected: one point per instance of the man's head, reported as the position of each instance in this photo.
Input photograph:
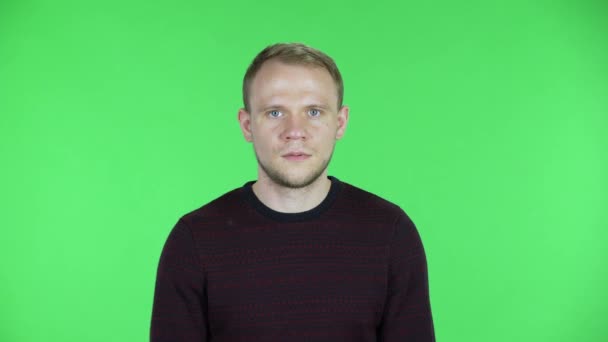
(293, 113)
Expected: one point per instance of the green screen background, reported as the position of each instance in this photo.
(486, 121)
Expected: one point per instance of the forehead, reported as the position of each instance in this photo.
(277, 81)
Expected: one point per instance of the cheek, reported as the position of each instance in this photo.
(327, 132)
(327, 127)
(263, 145)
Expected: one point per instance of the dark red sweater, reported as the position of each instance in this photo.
(351, 269)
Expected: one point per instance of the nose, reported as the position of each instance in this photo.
(295, 128)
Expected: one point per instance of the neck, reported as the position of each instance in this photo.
(289, 200)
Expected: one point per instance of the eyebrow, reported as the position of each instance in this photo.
(312, 105)
(272, 107)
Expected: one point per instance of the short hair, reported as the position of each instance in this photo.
(293, 53)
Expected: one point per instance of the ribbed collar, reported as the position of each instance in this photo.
(313, 213)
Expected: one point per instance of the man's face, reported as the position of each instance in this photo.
(293, 122)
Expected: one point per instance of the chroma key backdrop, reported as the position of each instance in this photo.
(486, 121)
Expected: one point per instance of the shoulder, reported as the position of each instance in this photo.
(363, 201)
(217, 209)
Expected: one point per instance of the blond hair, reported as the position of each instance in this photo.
(293, 53)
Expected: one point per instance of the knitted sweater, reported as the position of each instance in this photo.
(351, 269)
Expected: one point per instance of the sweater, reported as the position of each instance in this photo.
(351, 269)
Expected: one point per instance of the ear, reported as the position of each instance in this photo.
(342, 121)
(244, 118)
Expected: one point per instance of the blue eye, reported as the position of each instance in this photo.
(314, 112)
(274, 113)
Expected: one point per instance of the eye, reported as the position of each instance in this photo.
(274, 113)
(314, 112)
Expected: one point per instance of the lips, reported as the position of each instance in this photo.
(296, 155)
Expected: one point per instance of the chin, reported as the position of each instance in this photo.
(294, 180)
(292, 176)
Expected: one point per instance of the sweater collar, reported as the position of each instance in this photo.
(313, 213)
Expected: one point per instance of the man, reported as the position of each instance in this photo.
(296, 255)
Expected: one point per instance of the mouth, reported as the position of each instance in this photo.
(296, 156)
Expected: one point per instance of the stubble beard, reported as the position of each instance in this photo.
(281, 179)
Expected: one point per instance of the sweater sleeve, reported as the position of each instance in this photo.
(407, 311)
(179, 310)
